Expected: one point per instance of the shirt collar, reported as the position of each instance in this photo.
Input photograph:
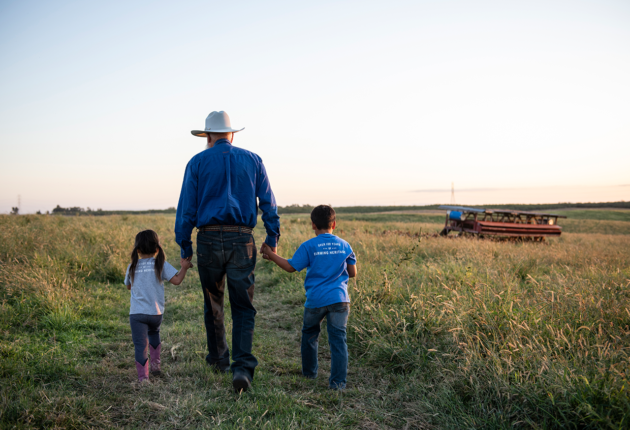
(220, 141)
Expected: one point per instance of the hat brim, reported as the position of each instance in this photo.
(204, 133)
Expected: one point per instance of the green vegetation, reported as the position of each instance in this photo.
(76, 211)
(585, 222)
(443, 333)
(555, 206)
(297, 209)
(306, 209)
(594, 226)
(394, 217)
(603, 215)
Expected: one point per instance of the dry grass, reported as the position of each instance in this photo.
(444, 333)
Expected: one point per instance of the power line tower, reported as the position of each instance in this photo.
(452, 193)
(19, 202)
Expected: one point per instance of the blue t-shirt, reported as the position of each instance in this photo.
(326, 258)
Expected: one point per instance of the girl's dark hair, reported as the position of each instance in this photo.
(147, 242)
(323, 217)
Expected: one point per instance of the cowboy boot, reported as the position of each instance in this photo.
(155, 359)
(143, 371)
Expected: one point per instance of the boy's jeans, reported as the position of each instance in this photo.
(337, 316)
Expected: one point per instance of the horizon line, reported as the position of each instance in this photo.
(476, 190)
(363, 206)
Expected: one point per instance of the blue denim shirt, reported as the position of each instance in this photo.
(220, 187)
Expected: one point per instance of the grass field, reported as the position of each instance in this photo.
(443, 333)
(596, 214)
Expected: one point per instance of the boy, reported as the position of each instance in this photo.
(329, 262)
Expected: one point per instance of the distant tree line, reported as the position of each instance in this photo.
(296, 209)
(546, 206)
(306, 209)
(77, 211)
(68, 211)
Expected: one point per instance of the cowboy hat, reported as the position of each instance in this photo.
(217, 122)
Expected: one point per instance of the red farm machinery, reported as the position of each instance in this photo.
(500, 222)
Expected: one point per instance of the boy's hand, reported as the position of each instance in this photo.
(266, 250)
(267, 253)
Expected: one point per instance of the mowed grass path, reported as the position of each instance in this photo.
(443, 333)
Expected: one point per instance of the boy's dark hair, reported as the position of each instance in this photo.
(147, 242)
(323, 216)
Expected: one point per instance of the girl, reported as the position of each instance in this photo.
(145, 278)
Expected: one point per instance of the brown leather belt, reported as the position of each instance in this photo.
(229, 228)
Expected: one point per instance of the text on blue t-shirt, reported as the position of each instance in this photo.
(326, 258)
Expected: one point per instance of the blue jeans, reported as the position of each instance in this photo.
(337, 317)
(231, 254)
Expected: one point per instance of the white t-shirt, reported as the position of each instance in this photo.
(147, 293)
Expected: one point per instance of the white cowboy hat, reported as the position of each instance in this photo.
(217, 122)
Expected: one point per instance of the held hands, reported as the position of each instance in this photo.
(186, 263)
(265, 250)
(270, 253)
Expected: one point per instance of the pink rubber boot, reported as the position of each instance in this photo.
(143, 371)
(155, 360)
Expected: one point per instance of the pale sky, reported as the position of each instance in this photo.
(347, 102)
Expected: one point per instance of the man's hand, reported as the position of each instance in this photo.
(270, 253)
(265, 250)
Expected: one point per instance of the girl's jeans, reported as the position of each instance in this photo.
(337, 317)
(145, 330)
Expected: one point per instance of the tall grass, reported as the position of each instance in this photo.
(604, 215)
(497, 333)
(598, 222)
(59, 292)
(454, 333)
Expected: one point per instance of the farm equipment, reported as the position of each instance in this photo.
(500, 222)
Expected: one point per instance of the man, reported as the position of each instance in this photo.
(221, 185)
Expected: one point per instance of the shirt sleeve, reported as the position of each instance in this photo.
(127, 277)
(351, 259)
(267, 203)
(300, 259)
(186, 218)
(168, 271)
